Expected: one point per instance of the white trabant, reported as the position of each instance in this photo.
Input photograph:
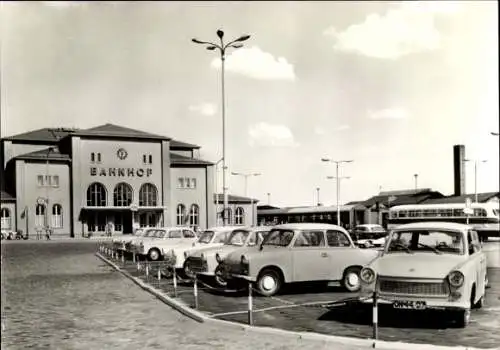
(130, 242)
(430, 265)
(212, 237)
(301, 252)
(369, 235)
(205, 261)
(120, 243)
(155, 243)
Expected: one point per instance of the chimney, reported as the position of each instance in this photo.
(459, 169)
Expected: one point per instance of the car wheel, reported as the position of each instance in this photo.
(186, 271)
(154, 254)
(351, 280)
(479, 303)
(462, 318)
(269, 282)
(218, 279)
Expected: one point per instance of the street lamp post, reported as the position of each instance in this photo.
(416, 181)
(337, 162)
(268, 198)
(317, 190)
(475, 175)
(246, 176)
(222, 50)
(338, 192)
(216, 193)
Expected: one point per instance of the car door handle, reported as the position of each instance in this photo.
(324, 255)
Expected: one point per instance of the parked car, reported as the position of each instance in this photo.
(212, 237)
(130, 242)
(299, 252)
(119, 243)
(369, 235)
(430, 265)
(205, 261)
(152, 247)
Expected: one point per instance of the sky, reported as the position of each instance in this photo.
(390, 85)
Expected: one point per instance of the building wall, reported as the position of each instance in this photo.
(189, 196)
(247, 217)
(28, 192)
(11, 207)
(112, 170)
(186, 153)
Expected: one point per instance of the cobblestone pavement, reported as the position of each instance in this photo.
(61, 296)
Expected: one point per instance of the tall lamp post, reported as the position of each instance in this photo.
(216, 192)
(338, 178)
(235, 44)
(416, 181)
(337, 163)
(246, 176)
(475, 175)
(268, 198)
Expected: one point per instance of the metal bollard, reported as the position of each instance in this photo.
(159, 277)
(138, 266)
(195, 292)
(174, 278)
(123, 258)
(133, 257)
(250, 304)
(375, 317)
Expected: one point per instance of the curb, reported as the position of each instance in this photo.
(332, 339)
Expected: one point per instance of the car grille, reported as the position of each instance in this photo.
(413, 288)
(197, 264)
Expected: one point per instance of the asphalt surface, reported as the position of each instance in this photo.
(58, 295)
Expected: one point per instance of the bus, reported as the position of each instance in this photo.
(484, 220)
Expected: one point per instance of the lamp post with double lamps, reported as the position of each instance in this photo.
(222, 47)
(475, 174)
(337, 163)
(338, 178)
(246, 176)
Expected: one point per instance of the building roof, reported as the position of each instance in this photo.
(50, 153)
(177, 159)
(392, 198)
(179, 145)
(45, 135)
(481, 198)
(266, 206)
(232, 199)
(115, 131)
(5, 197)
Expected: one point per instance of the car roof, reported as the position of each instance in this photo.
(433, 225)
(226, 228)
(308, 226)
(369, 225)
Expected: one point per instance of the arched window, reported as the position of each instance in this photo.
(40, 215)
(239, 216)
(194, 215)
(96, 195)
(148, 196)
(57, 221)
(181, 214)
(122, 195)
(6, 222)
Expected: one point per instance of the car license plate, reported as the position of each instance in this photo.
(409, 304)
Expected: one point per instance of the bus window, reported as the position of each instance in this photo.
(418, 213)
(479, 212)
(412, 213)
(458, 212)
(448, 212)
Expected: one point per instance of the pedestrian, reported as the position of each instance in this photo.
(48, 233)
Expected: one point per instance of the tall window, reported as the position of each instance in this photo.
(194, 215)
(57, 221)
(239, 216)
(6, 223)
(96, 195)
(122, 195)
(181, 213)
(148, 196)
(40, 215)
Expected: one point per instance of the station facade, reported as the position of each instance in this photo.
(83, 181)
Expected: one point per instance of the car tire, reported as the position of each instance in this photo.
(351, 280)
(479, 303)
(462, 318)
(269, 282)
(154, 255)
(218, 280)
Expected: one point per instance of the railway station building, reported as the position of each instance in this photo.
(77, 181)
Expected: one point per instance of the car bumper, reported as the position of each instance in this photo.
(430, 303)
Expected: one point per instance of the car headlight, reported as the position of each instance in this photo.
(367, 275)
(456, 279)
(185, 255)
(244, 260)
(218, 258)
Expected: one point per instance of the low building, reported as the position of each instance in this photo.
(84, 181)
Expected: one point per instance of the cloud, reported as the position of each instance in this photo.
(342, 127)
(321, 131)
(257, 64)
(389, 113)
(207, 109)
(405, 29)
(270, 135)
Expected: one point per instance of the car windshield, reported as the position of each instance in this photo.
(496, 212)
(149, 233)
(238, 237)
(160, 233)
(279, 238)
(206, 237)
(437, 241)
(139, 233)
